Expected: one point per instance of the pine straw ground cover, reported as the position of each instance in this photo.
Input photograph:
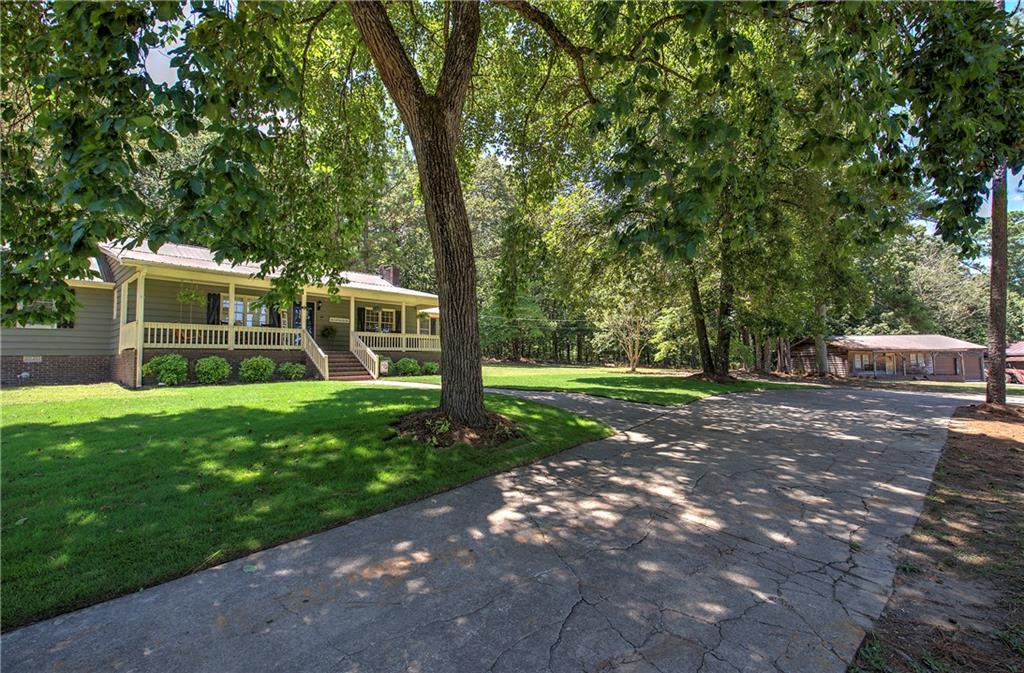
(958, 602)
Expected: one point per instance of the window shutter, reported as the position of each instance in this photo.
(212, 308)
(274, 315)
(67, 323)
(360, 319)
(398, 321)
(433, 326)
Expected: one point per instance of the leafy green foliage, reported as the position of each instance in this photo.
(430, 368)
(406, 367)
(921, 285)
(212, 369)
(256, 369)
(168, 370)
(292, 371)
(84, 120)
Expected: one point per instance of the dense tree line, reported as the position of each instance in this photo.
(581, 301)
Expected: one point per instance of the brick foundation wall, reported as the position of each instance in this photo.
(76, 369)
(234, 358)
(54, 369)
(122, 368)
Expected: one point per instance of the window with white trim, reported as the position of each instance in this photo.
(864, 362)
(246, 311)
(51, 306)
(916, 359)
(423, 325)
(379, 320)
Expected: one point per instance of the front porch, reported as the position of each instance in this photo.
(339, 335)
(917, 365)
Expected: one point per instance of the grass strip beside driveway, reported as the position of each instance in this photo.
(105, 491)
(647, 386)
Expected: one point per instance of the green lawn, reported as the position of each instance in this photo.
(650, 386)
(105, 490)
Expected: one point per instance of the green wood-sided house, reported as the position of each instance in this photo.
(179, 299)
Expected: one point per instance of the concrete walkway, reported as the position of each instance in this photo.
(752, 532)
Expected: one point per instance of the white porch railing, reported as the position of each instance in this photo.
(388, 341)
(365, 355)
(422, 342)
(186, 335)
(316, 355)
(127, 337)
(268, 338)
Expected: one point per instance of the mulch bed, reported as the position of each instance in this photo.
(958, 600)
(435, 428)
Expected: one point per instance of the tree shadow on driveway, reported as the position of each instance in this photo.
(742, 533)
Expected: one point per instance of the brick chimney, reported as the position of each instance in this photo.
(389, 272)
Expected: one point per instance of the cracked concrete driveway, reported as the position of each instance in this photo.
(752, 532)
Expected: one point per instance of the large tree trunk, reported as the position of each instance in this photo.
(699, 323)
(726, 290)
(462, 392)
(820, 344)
(433, 123)
(995, 389)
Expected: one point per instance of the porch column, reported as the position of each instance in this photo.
(140, 325)
(405, 328)
(302, 313)
(351, 321)
(124, 303)
(231, 316)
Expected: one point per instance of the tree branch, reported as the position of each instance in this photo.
(396, 69)
(547, 24)
(654, 26)
(457, 70)
(313, 21)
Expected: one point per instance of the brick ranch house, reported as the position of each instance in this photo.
(178, 299)
(895, 357)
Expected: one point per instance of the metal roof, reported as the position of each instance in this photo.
(1015, 348)
(196, 257)
(902, 342)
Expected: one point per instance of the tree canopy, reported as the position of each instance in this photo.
(756, 150)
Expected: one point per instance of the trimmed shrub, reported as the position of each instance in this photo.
(170, 369)
(213, 369)
(292, 371)
(430, 367)
(406, 367)
(256, 370)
